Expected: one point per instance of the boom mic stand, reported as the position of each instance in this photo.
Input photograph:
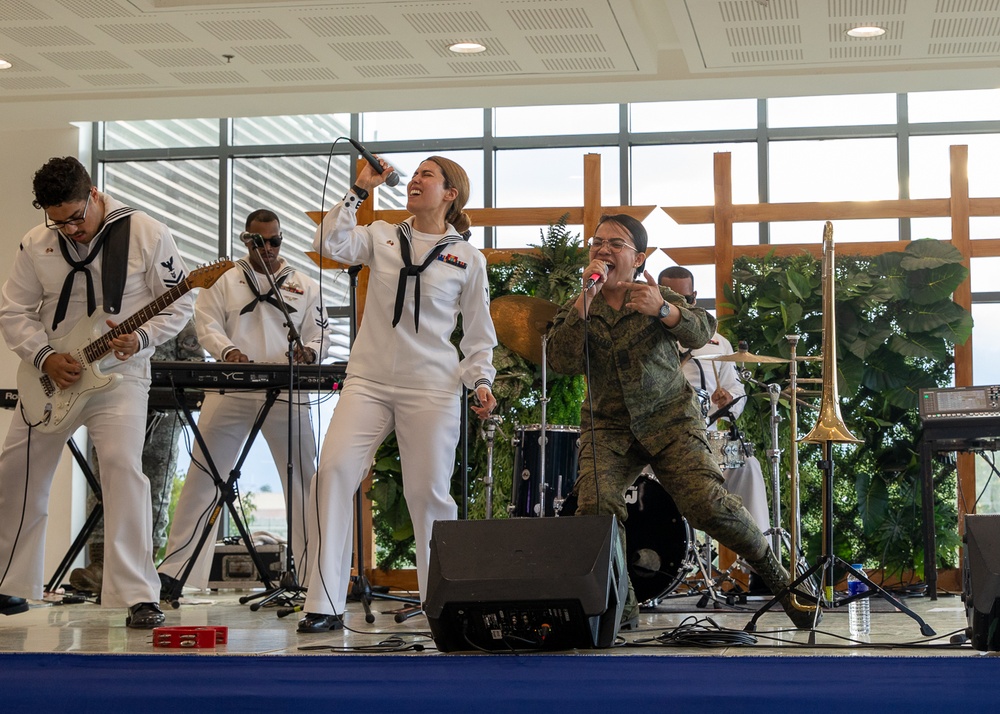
(288, 588)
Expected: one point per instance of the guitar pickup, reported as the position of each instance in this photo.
(47, 386)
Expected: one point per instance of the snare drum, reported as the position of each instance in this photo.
(728, 451)
(658, 540)
(562, 453)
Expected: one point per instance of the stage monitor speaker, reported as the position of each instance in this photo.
(525, 584)
(981, 581)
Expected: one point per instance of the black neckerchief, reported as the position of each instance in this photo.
(268, 297)
(408, 270)
(114, 267)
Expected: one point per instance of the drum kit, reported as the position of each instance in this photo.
(663, 552)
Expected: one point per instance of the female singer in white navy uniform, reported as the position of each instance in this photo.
(404, 373)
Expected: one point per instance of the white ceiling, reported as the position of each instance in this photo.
(81, 60)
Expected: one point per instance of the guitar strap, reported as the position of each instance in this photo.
(114, 264)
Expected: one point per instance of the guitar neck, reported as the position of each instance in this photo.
(102, 345)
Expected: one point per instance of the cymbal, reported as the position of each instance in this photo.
(520, 321)
(741, 356)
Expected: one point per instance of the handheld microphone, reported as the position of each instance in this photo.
(254, 239)
(593, 281)
(391, 180)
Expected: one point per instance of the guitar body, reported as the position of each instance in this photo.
(51, 410)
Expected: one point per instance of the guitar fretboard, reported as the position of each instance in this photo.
(102, 345)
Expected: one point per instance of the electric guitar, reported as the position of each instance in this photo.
(51, 410)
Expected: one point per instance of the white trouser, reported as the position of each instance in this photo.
(427, 425)
(747, 482)
(116, 421)
(225, 423)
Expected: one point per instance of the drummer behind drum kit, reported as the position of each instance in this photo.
(662, 550)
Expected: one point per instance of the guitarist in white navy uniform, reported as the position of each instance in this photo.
(92, 252)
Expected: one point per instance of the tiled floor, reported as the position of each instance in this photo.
(87, 628)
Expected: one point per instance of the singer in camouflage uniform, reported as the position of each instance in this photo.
(159, 464)
(644, 409)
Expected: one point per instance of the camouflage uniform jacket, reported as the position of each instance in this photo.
(638, 387)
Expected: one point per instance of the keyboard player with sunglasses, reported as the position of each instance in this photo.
(238, 320)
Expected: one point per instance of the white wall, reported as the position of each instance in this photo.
(22, 153)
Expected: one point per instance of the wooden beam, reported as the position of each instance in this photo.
(723, 218)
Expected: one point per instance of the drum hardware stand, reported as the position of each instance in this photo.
(545, 432)
(488, 432)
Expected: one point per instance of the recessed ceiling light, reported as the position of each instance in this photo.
(4, 64)
(467, 48)
(866, 31)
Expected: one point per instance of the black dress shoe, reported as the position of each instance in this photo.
(316, 622)
(144, 616)
(10, 605)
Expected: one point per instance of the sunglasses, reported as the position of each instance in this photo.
(259, 240)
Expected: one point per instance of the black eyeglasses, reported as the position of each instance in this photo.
(273, 241)
(74, 221)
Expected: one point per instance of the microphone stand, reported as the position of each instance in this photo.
(288, 588)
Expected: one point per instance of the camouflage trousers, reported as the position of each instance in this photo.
(159, 464)
(687, 471)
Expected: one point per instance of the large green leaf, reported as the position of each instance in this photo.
(884, 370)
(958, 329)
(929, 253)
(799, 284)
(920, 345)
(927, 318)
(928, 286)
(873, 499)
(864, 344)
(888, 266)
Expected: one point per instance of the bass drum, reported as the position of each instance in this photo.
(659, 540)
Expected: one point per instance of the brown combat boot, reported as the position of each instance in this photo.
(91, 578)
(776, 577)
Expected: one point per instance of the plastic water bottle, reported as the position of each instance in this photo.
(859, 612)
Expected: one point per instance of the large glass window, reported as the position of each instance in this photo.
(693, 116)
(161, 134)
(930, 164)
(844, 110)
(552, 177)
(182, 194)
(558, 120)
(305, 129)
(966, 105)
(684, 175)
(429, 124)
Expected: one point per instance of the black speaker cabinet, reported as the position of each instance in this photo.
(525, 584)
(981, 580)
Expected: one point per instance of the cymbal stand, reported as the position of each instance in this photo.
(544, 437)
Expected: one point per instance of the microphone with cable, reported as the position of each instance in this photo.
(254, 239)
(592, 281)
(391, 180)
